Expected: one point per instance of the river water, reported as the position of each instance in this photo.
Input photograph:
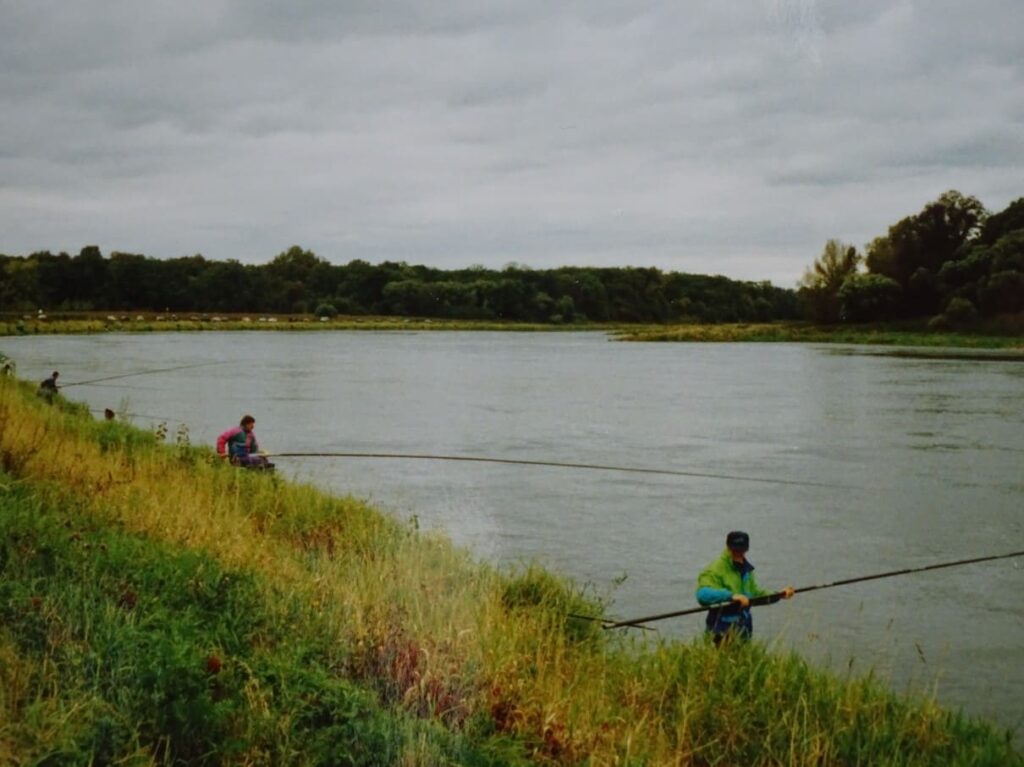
(909, 462)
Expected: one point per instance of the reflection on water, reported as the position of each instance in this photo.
(935, 353)
(929, 450)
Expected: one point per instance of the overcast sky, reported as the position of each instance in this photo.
(712, 136)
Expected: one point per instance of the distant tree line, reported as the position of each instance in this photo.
(953, 262)
(299, 281)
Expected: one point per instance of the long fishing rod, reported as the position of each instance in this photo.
(607, 621)
(772, 598)
(141, 373)
(562, 465)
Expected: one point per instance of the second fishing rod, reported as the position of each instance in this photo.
(766, 599)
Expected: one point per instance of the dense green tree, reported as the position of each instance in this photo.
(1008, 252)
(55, 280)
(988, 272)
(296, 274)
(960, 276)
(19, 285)
(1009, 220)
(638, 295)
(865, 297)
(820, 285)
(224, 286)
(1002, 292)
(180, 291)
(565, 310)
(505, 297)
(915, 248)
(294, 264)
(89, 278)
(132, 282)
(362, 284)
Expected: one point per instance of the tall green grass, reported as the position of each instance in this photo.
(158, 605)
(118, 648)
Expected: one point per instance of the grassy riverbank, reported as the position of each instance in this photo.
(157, 606)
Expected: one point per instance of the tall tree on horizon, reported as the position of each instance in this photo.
(914, 249)
(819, 287)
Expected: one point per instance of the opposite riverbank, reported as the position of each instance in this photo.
(892, 334)
(159, 605)
(1007, 333)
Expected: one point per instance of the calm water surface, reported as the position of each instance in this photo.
(927, 457)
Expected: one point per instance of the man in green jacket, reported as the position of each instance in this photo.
(730, 581)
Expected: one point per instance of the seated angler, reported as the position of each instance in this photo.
(48, 387)
(240, 446)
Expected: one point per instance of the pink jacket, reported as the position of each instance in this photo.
(237, 442)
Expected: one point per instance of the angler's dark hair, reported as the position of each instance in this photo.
(246, 419)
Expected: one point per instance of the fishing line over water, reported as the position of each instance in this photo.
(478, 459)
(564, 465)
(141, 373)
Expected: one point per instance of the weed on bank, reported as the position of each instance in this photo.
(115, 648)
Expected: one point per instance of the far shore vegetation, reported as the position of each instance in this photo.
(1009, 334)
(998, 333)
(952, 274)
(158, 606)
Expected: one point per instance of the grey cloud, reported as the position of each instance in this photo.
(706, 137)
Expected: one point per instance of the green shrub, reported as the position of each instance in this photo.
(960, 312)
(557, 598)
(866, 297)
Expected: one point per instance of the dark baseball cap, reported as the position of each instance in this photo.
(737, 541)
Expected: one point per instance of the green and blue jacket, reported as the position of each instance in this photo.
(717, 583)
